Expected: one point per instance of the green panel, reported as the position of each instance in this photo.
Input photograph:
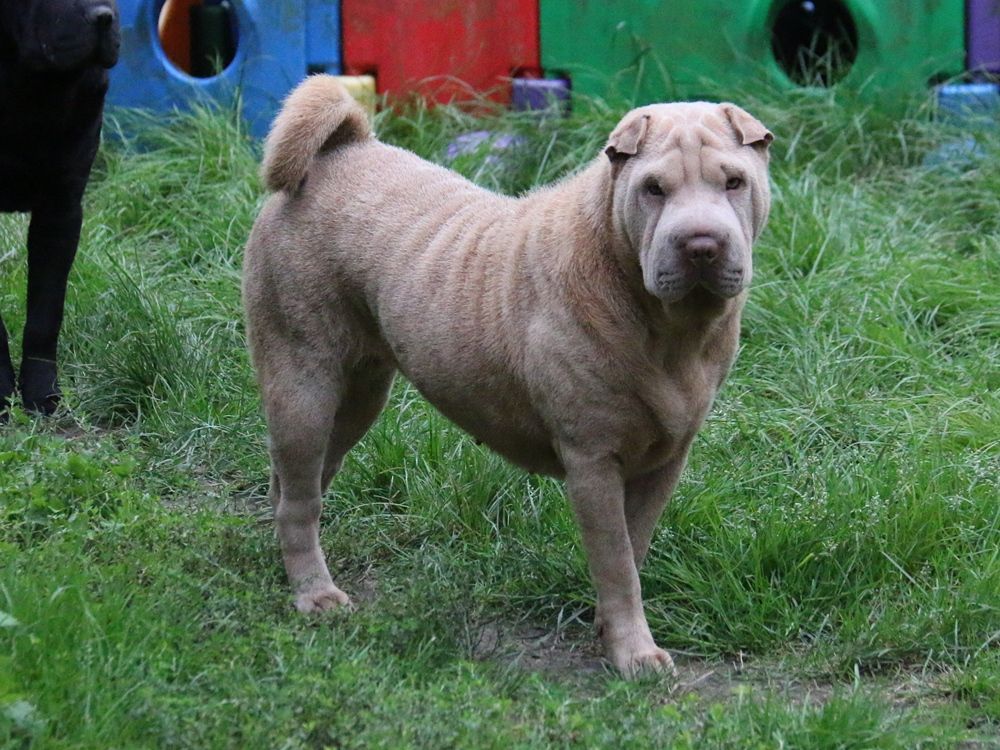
(661, 50)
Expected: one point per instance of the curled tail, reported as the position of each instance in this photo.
(317, 116)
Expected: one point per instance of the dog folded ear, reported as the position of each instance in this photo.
(749, 129)
(626, 140)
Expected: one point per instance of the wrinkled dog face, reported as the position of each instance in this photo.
(691, 193)
(61, 35)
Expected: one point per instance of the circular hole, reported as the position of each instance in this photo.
(198, 36)
(814, 41)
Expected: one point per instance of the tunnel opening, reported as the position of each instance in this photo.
(815, 42)
(199, 37)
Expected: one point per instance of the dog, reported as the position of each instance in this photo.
(581, 331)
(54, 58)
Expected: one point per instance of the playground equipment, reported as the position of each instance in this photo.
(975, 103)
(175, 52)
(655, 50)
(540, 93)
(984, 36)
(254, 49)
(441, 50)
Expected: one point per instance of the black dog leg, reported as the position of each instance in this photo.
(6, 372)
(53, 236)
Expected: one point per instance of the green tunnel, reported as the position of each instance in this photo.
(662, 50)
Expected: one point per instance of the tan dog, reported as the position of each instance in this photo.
(581, 331)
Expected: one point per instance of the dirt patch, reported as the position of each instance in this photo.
(536, 649)
(571, 651)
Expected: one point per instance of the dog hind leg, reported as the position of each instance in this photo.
(364, 398)
(312, 429)
(53, 235)
(300, 421)
(6, 371)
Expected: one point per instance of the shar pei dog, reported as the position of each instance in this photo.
(54, 60)
(581, 331)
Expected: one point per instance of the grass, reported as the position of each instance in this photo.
(828, 573)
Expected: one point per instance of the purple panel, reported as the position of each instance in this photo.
(984, 35)
(540, 93)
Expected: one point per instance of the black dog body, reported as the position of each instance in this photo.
(54, 56)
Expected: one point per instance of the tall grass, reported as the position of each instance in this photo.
(838, 520)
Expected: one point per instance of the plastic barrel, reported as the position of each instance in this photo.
(441, 50)
(984, 36)
(661, 50)
(276, 45)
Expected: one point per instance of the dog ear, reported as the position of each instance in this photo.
(749, 129)
(625, 141)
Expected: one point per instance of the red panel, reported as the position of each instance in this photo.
(418, 45)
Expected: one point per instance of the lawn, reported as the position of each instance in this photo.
(827, 575)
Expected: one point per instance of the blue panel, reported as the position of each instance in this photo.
(271, 57)
(323, 36)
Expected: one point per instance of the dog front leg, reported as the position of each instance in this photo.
(645, 498)
(597, 494)
(53, 236)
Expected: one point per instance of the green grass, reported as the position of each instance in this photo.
(829, 570)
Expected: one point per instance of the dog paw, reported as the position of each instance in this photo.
(5, 400)
(40, 391)
(639, 655)
(46, 406)
(6, 386)
(645, 661)
(322, 598)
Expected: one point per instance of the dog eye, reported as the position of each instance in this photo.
(653, 188)
(734, 183)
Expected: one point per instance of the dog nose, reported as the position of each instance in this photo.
(701, 249)
(101, 16)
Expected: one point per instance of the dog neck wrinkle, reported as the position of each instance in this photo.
(698, 327)
(613, 313)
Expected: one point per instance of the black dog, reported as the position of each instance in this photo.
(54, 56)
